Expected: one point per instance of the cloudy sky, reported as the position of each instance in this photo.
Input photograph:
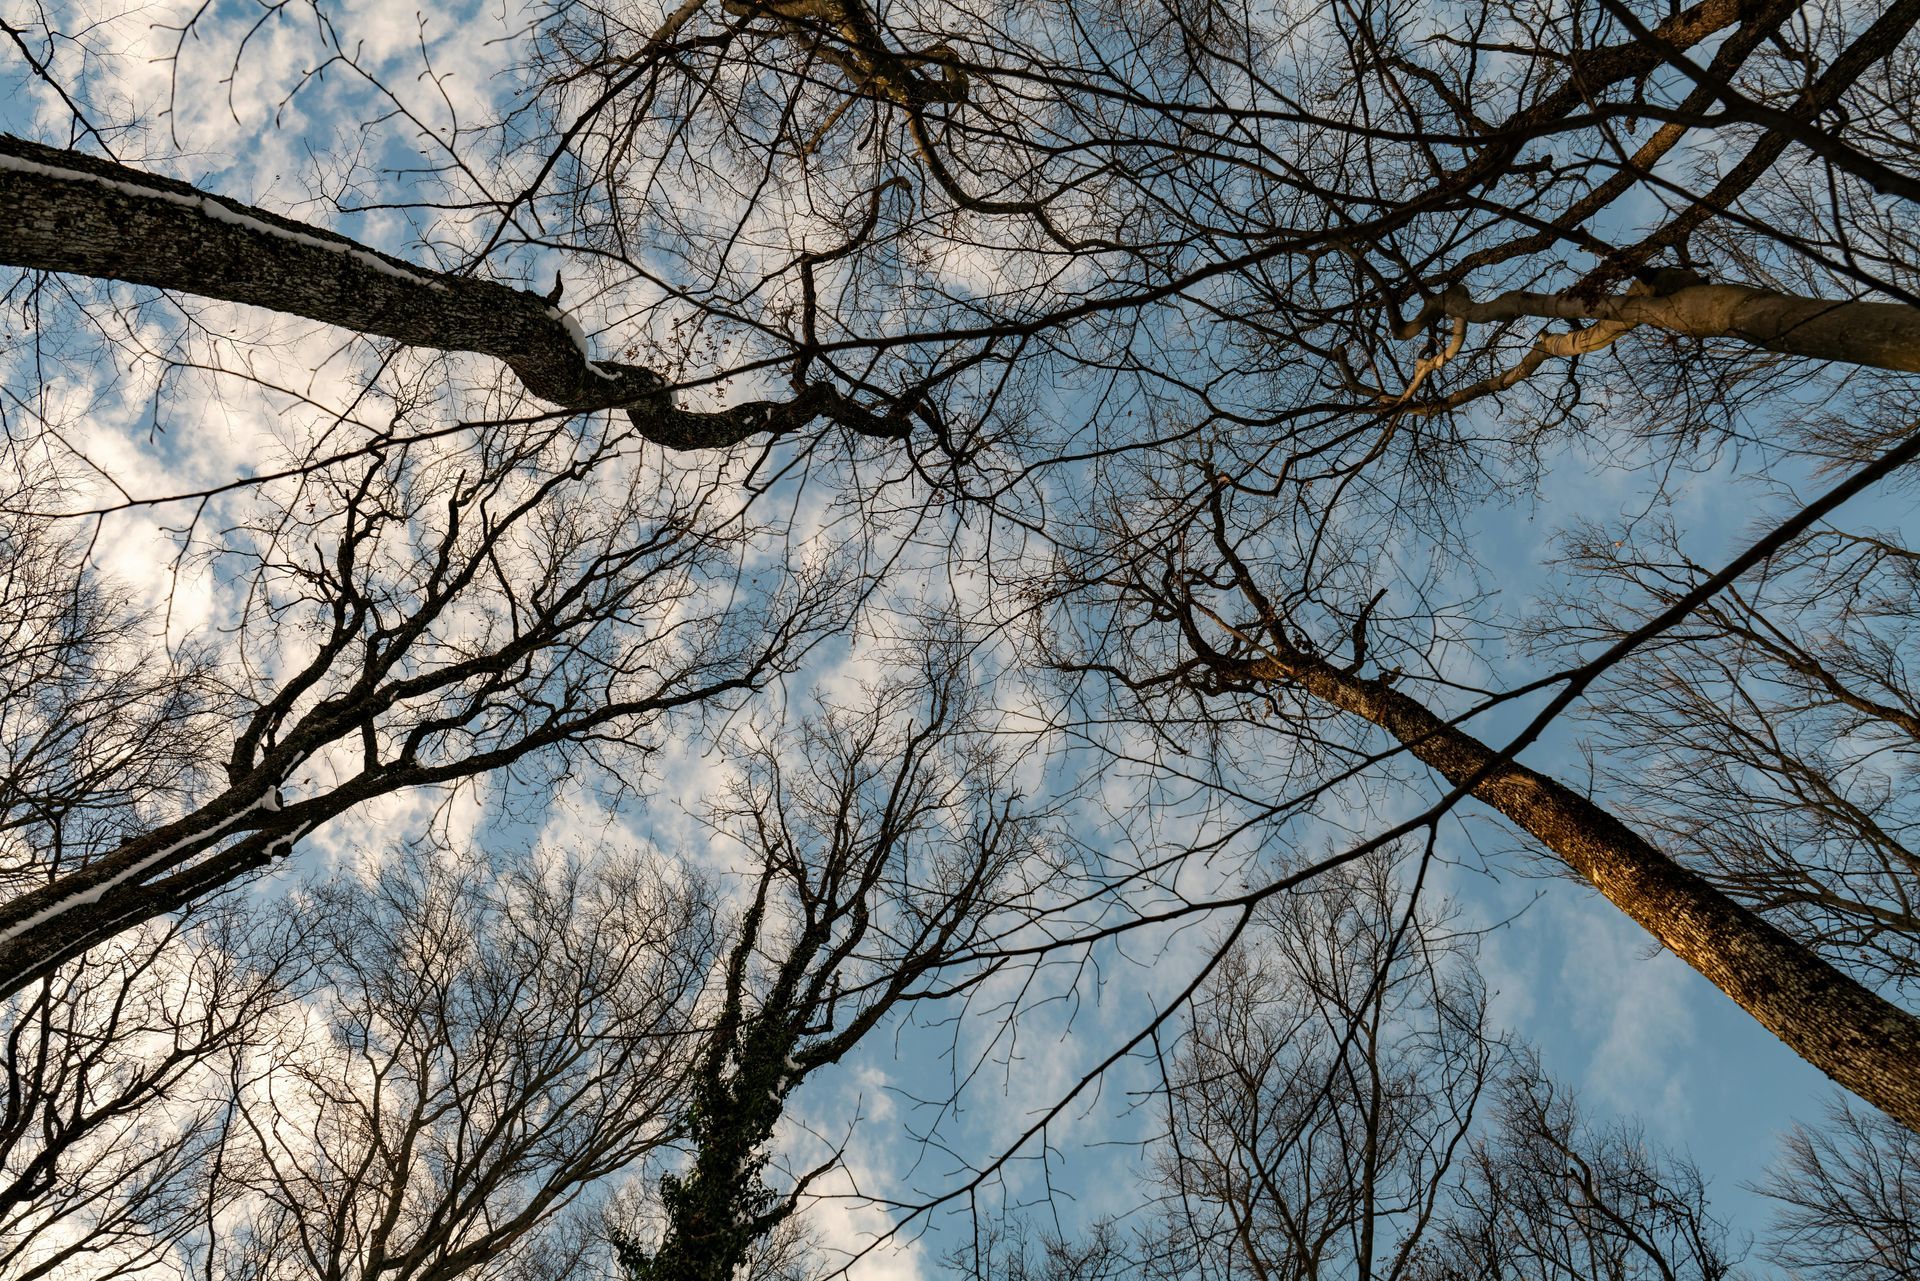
(249, 104)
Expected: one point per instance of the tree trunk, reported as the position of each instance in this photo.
(1882, 335)
(1859, 1039)
(69, 212)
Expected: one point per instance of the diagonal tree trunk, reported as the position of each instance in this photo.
(69, 212)
(1856, 1037)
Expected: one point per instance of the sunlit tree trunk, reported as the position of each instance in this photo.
(1883, 335)
(1861, 1040)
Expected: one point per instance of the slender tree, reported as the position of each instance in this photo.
(1326, 1091)
(1231, 635)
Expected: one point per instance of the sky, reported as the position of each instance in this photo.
(1638, 1035)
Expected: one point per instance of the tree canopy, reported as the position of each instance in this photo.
(934, 501)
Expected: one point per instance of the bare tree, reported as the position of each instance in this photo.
(1220, 621)
(112, 1091)
(114, 1096)
(78, 213)
(474, 1058)
(1239, 318)
(1326, 1088)
(1547, 1196)
(445, 1072)
(1767, 750)
(887, 846)
(434, 615)
(1337, 1105)
(1847, 1199)
(99, 733)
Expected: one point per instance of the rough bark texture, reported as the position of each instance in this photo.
(1883, 335)
(1856, 1037)
(68, 212)
(144, 878)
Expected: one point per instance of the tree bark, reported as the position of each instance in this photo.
(74, 213)
(1882, 335)
(1856, 1037)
